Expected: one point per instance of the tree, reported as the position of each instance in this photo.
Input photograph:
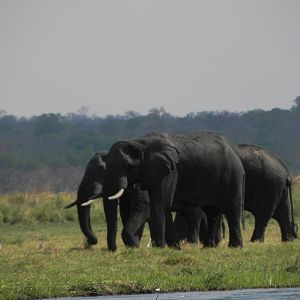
(157, 111)
(131, 114)
(2, 113)
(83, 110)
(296, 105)
(49, 123)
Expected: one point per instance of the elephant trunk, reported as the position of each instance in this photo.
(85, 224)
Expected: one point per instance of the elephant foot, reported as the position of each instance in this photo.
(174, 245)
(91, 241)
(259, 239)
(87, 245)
(192, 241)
(288, 238)
(210, 244)
(129, 240)
(290, 234)
(114, 249)
(235, 244)
(159, 244)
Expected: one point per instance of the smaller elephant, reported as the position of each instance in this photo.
(134, 206)
(268, 194)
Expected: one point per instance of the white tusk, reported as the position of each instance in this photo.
(117, 195)
(88, 202)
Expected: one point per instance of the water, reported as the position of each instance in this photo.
(250, 294)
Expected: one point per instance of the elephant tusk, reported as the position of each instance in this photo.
(88, 202)
(149, 243)
(71, 204)
(117, 195)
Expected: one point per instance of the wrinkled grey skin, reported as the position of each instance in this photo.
(202, 169)
(134, 207)
(267, 195)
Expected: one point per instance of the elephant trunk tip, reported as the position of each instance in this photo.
(91, 241)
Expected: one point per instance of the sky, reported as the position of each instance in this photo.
(134, 55)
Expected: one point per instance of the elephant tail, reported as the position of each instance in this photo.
(289, 185)
(243, 203)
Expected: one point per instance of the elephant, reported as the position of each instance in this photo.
(200, 169)
(268, 192)
(268, 195)
(134, 206)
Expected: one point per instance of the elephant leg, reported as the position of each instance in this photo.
(203, 231)
(161, 199)
(181, 226)
(283, 216)
(187, 223)
(213, 215)
(259, 229)
(262, 216)
(194, 217)
(159, 222)
(219, 230)
(232, 206)
(127, 236)
(235, 237)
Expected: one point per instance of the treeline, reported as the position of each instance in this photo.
(50, 151)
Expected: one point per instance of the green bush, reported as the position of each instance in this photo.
(43, 208)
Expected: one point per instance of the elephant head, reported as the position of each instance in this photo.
(90, 188)
(127, 164)
(123, 163)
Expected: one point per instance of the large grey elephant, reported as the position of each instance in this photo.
(200, 169)
(268, 194)
(134, 206)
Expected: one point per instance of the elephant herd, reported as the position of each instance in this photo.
(202, 177)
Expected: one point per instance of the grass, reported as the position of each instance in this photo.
(43, 255)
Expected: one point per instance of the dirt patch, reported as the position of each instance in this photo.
(296, 179)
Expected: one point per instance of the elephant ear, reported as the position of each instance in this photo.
(102, 156)
(160, 159)
(133, 152)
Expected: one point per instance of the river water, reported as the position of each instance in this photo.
(249, 294)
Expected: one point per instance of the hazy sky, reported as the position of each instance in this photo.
(116, 56)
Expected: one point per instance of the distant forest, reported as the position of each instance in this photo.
(50, 151)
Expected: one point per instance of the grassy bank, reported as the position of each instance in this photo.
(43, 256)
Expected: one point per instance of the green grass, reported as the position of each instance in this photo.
(46, 256)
